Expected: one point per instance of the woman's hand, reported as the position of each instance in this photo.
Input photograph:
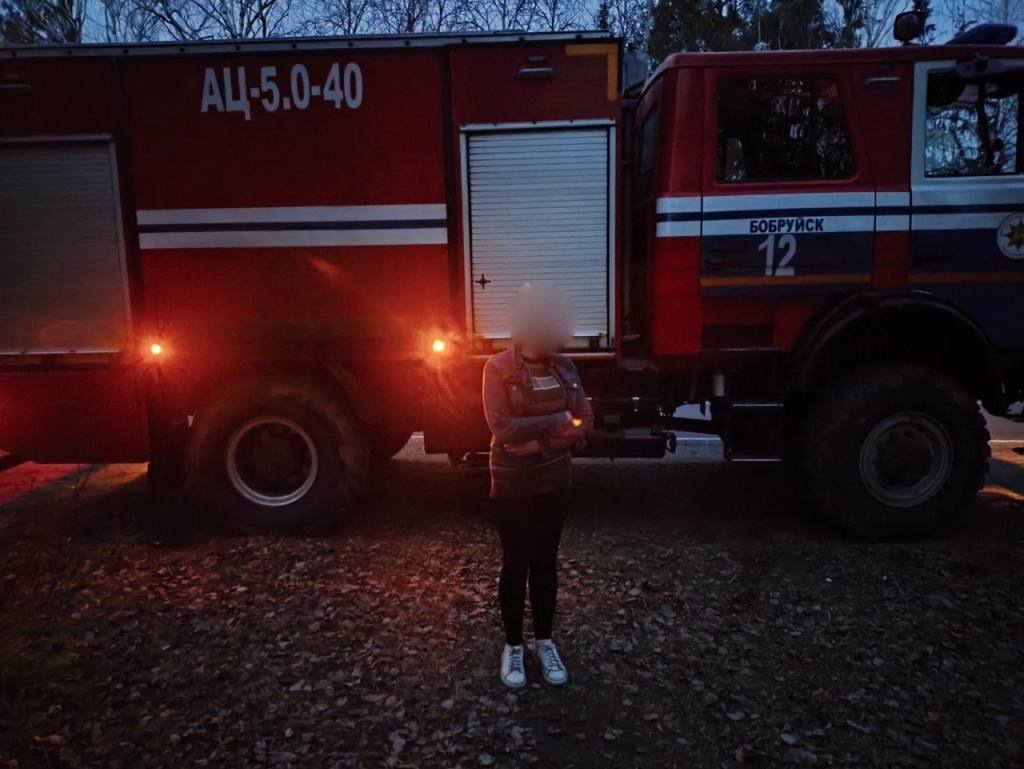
(567, 435)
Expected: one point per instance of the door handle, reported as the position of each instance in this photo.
(882, 82)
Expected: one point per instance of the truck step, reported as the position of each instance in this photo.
(635, 443)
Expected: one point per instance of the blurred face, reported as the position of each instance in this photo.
(542, 319)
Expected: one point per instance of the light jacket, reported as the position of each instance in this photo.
(506, 386)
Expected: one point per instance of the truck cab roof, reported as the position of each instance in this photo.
(832, 56)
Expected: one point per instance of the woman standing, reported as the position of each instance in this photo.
(537, 412)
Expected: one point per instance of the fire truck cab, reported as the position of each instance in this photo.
(831, 244)
(261, 265)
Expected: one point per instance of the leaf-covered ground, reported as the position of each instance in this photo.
(704, 625)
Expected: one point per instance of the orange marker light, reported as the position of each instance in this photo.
(156, 348)
(577, 422)
(439, 345)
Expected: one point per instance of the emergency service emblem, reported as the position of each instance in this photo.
(1010, 236)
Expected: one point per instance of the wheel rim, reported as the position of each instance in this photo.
(271, 461)
(906, 459)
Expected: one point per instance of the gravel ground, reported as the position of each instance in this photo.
(704, 625)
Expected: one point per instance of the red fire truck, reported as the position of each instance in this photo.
(261, 265)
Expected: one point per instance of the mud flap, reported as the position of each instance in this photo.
(752, 431)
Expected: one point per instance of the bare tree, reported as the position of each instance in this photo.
(249, 18)
(501, 14)
(401, 16)
(629, 19)
(446, 15)
(342, 17)
(232, 19)
(863, 23)
(966, 13)
(877, 21)
(135, 20)
(557, 15)
(126, 21)
(47, 21)
(179, 19)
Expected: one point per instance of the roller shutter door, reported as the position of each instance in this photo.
(539, 205)
(62, 277)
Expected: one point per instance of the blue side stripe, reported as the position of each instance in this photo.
(783, 213)
(779, 213)
(692, 216)
(788, 213)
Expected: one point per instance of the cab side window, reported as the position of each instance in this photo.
(782, 129)
(971, 128)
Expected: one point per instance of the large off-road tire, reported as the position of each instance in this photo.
(278, 454)
(168, 431)
(893, 452)
(386, 440)
(165, 474)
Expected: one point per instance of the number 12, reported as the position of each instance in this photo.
(787, 243)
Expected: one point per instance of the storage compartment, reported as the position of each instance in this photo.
(539, 208)
(62, 276)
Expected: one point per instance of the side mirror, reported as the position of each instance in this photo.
(908, 25)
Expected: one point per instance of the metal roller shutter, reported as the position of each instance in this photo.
(62, 279)
(539, 203)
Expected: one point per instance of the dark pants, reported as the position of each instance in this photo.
(529, 528)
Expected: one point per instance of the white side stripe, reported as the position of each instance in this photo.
(290, 214)
(892, 222)
(677, 229)
(891, 199)
(687, 205)
(888, 222)
(1012, 196)
(789, 201)
(795, 214)
(723, 215)
(293, 226)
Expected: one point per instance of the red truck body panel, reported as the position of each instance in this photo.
(276, 164)
(320, 224)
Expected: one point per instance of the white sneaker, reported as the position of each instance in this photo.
(547, 655)
(513, 674)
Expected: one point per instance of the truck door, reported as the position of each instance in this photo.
(967, 191)
(788, 205)
(539, 206)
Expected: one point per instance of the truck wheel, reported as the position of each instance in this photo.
(165, 474)
(168, 433)
(893, 452)
(278, 455)
(386, 441)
